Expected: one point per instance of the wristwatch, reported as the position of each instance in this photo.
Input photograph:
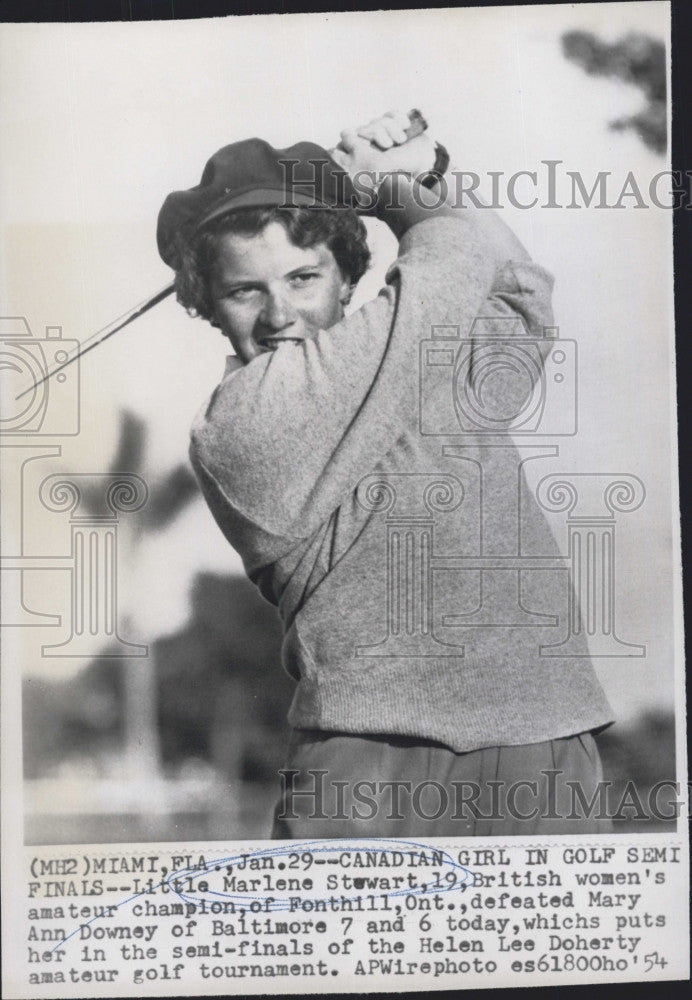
(440, 166)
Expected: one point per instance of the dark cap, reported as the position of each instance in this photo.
(247, 174)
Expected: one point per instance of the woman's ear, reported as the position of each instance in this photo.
(346, 291)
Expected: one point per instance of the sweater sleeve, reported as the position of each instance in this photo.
(285, 438)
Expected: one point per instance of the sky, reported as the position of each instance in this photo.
(100, 122)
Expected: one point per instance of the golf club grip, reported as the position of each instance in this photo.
(418, 124)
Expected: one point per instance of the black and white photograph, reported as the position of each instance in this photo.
(340, 502)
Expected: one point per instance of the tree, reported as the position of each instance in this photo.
(636, 59)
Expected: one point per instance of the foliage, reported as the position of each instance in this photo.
(636, 59)
(222, 694)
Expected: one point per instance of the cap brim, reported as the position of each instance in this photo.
(259, 197)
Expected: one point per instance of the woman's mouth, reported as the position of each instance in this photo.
(271, 343)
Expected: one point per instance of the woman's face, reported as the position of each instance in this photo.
(266, 290)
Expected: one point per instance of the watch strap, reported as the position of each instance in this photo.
(439, 167)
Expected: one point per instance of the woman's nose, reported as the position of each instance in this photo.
(277, 312)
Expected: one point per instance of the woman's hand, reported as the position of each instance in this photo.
(381, 147)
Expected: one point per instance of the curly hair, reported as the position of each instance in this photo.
(340, 229)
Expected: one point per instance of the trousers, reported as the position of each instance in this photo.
(345, 785)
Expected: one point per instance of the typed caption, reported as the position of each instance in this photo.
(341, 916)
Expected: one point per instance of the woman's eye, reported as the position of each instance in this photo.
(304, 279)
(239, 294)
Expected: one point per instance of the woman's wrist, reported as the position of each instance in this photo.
(402, 201)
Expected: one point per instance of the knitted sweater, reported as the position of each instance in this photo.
(339, 470)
